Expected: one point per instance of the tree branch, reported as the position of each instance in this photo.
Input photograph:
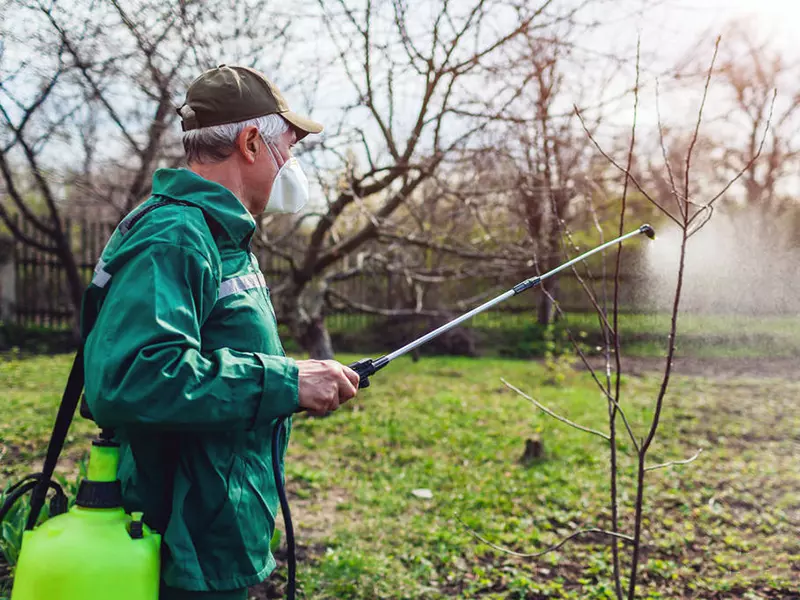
(16, 196)
(612, 411)
(84, 69)
(749, 164)
(546, 410)
(22, 237)
(628, 175)
(667, 164)
(385, 312)
(675, 462)
(697, 126)
(479, 537)
(369, 230)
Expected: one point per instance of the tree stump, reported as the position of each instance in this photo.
(534, 451)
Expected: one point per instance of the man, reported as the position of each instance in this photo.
(183, 357)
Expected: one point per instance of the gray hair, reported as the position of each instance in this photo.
(216, 143)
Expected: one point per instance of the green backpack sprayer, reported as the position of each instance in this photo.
(94, 550)
(97, 551)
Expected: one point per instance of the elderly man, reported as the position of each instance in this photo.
(183, 357)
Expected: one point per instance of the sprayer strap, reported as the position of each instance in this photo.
(66, 411)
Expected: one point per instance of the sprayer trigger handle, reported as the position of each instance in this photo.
(364, 367)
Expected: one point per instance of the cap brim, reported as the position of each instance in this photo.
(303, 125)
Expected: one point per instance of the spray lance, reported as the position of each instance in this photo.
(366, 367)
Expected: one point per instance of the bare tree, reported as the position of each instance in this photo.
(552, 156)
(690, 215)
(444, 57)
(748, 71)
(751, 72)
(87, 110)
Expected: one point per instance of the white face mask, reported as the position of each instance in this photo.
(289, 190)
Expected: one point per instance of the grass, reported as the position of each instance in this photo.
(722, 527)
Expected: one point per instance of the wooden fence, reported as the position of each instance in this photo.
(41, 288)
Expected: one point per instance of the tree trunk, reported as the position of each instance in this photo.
(305, 308)
(545, 308)
(554, 224)
(316, 340)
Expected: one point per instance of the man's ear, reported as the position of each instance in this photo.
(249, 143)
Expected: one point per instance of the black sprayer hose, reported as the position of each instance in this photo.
(22, 487)
(277, 434)
(19, 491)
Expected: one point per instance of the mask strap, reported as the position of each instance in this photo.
(274, 154)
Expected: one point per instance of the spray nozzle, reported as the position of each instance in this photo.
(648, 231)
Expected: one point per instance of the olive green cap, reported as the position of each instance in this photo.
(230, 94)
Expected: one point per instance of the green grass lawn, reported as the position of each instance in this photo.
(723, 527)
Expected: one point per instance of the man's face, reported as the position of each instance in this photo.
(261, 174)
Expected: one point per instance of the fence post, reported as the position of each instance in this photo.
(8, 280)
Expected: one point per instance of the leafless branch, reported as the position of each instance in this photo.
(546, 410)
(749, 164)
(709, 210)
(16, 196)
(84, 69)
(385, 312)
(612, 410)
(628, 175)
(697, 126)
(595, 531)
(667, 163)
(605, 391)
(412, 240)
(19, 235)
(675, 462)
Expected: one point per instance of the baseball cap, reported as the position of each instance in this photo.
(230, 94)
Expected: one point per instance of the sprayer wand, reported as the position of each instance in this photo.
(367, 367)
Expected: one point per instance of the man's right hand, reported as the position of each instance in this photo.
(324, 385)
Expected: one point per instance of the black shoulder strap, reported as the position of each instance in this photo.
(69, 402)
(128, 223)
(75, 381)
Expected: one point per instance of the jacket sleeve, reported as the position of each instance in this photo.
(145, 366)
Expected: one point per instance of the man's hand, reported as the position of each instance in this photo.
(324, 385)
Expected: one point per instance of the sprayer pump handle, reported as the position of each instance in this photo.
(364, 367)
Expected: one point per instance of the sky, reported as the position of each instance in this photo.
(669, 29)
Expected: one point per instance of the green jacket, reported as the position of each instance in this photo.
(183, 359)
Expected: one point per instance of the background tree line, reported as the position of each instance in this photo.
(452, 150)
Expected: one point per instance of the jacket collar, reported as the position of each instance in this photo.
(217, 201)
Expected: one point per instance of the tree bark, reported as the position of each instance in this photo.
(545, 310)
(305, 308)
(558, 203)
(316, 340)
